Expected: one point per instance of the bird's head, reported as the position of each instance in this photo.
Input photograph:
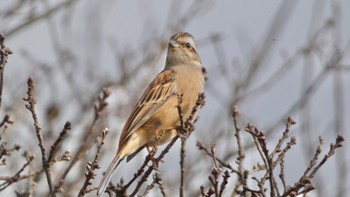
(182, 50)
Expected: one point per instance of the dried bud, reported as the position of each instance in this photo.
(9, 119)
(213, 148)
(340, 141)
(66, 156)
(216, 171)
(307, 180)
(309, 187)
(68, 125)
(211, 191)
(8, 51)
(250, 127)
(235, 111)
(106, 92)
(293, 140)
(31, 157)
(291, 120)
(17, 147)
(105, 131)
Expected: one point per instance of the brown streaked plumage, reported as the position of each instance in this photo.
(156, 111)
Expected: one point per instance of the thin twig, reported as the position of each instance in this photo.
(16, 177)
(339, 143)
(31, 107)
(183, 145)
(182, 165)
(224, 182)
(160, 184)
(154, 166)
(53, 150)
(139, 172)
(92, 166)
(241, 153)
(200, 146)
(4, 53)
(7, 119)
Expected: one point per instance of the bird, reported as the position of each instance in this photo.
(154, 119)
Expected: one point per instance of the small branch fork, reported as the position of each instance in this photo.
(31, 107)
(46, 161)
(270, 159)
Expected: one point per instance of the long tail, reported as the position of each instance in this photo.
(108, 175)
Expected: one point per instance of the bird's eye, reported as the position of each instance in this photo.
(188, 45)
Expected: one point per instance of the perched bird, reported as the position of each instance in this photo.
(155, 117)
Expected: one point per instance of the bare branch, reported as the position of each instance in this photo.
(30, 106)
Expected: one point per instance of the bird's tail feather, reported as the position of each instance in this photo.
(108, 174)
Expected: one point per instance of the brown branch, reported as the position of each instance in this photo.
(7, 119)
(139, 172)
(154, 165)
(185, 130)
(182, 166)
(339, 143)
(241, 152)
(63, 133)
(183, 145)
(92, 166)
(149, 187)
(16, 177)
(31, 107)
(160, 184)
(314, 159)
(157, 180)
(269, 166)
(281, 175)
(305, 181)
(4, 53)
(290, 121)
(224, 182)
(200, 146)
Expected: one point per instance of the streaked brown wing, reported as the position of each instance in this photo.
(155, 95)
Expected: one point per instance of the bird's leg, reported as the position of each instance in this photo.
(182, 132)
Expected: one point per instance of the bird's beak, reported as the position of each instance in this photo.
(173, 43)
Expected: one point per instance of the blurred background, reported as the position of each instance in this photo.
(273, 59)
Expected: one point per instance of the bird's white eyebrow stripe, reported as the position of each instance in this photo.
(189, 40)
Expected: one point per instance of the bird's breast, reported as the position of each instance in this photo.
(189, 84)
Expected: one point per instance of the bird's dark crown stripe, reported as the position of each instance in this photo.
(182, 34)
